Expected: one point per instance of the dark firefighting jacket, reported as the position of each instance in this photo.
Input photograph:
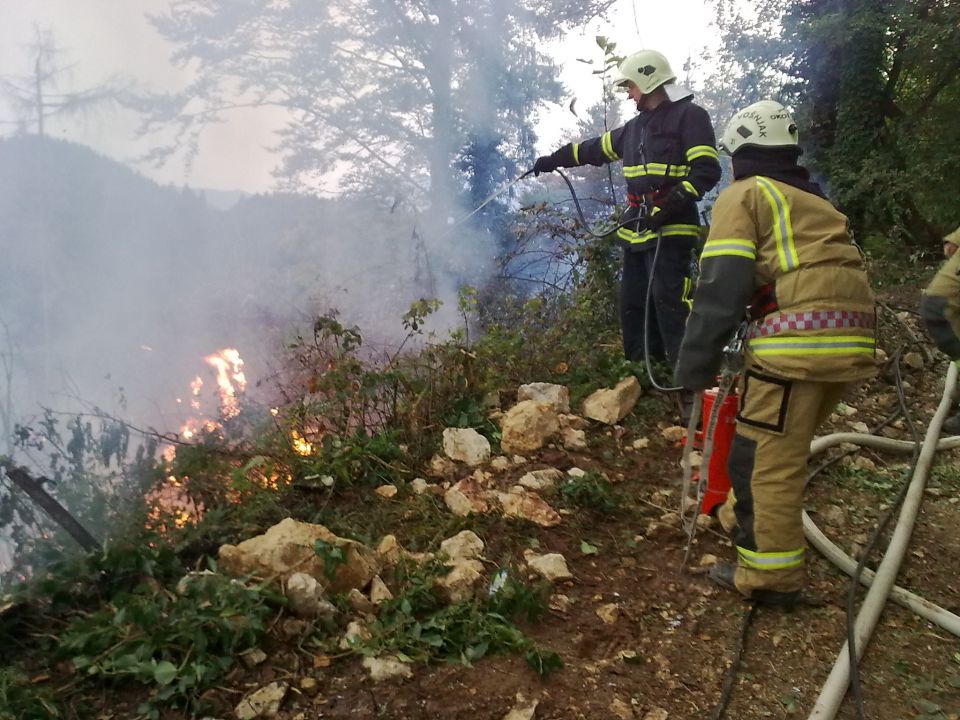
(673, 144)
(940, 307)
(768, 234)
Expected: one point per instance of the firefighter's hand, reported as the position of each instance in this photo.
(677, 200)
(545, 164)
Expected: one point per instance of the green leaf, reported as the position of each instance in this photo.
(165, 672)
(588, 549)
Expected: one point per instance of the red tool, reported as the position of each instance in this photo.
(718, 481)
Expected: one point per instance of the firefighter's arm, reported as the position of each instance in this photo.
(940, 308)
(700, 151)
(727, 268)
(600, 150)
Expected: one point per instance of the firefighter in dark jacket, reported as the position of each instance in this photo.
(669, 161)
(775, 237)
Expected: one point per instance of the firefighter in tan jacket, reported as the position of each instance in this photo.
(779, 253)
(940, 310)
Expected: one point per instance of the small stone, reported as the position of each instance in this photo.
(441, 467)
(833, 516)
(705, 522)
(309, 686)
(576, 472)
(465, 545)
(522, 709)
(610, 405)
(551, 567)
(379, 592)
(575, 422)
(561, 603)
(460, 583)
(386, 491)
(458, 503)
(305, 596)
(913, 360)
(640, 444)
(671, 518)
(860, 427)
(656, 714)
(541, 479)
(695, 459)
(608, 613)
(621, 709)
(355, 633)
(264, 702)
(466, 445)
(385, 668)
(500, 463)
(573, 439)
(528, 506)
(556, 395)
(252, 658)
(864, 463)
(674, 433)
(518, 460)
(419, 486)
(708, 560)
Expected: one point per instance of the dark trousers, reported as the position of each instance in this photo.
(670, 297)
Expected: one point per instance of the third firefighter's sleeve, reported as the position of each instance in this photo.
(700, 150)
(726, 284)
(940, 308)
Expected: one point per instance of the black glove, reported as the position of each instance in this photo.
(545, 164)
(677, 200)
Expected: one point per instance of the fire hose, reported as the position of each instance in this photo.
(835, 688)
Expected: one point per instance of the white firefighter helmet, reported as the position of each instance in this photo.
(647, 69)
(764, 124)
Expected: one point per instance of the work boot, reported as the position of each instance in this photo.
(722, 573)
(951, 426)
(685, 405)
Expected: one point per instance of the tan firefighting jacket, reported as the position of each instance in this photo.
(768, 233)
(940, 307)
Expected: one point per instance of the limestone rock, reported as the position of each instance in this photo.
(360, 602)
(541, 479)
(385, 668)
(262, 703)
(309, 686)
(573, 422)
(833, 516)
(466, 445)
(528, 425)
(610, 405)
(252, 658)
(913, 360)
(306, 597)
(573, 439)
(656, 714)
(558, 396)
(356, 632)
(528, 506)
(576, 472)
(288, 547)
(641, 444)
(552, 566)
(379, 592)
(419, 486)
(621, 709)
(465, 545)
(523, 709)
(609, 613)
(441, 467)
(674, 433)
(460, 583)
(466, 497)
(386, 491)
(500, 463)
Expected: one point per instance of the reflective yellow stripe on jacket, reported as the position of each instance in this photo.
(576, 153)
(656, 170)
(812, 345)
(606, 144)
(635, 238)
(699, 151)
(770, 560)
(782, 228)
(729, 246)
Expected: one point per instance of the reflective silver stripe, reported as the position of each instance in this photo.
(771, 560)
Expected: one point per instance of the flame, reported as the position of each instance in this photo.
(230, 379)
(300, 445)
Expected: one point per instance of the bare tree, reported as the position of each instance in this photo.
(42, 94)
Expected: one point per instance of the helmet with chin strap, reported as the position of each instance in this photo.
(646, 69)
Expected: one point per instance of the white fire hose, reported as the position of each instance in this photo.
(882, 582)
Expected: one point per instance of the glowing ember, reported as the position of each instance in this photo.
(300, 445)
(230, 379)
(195, 387)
